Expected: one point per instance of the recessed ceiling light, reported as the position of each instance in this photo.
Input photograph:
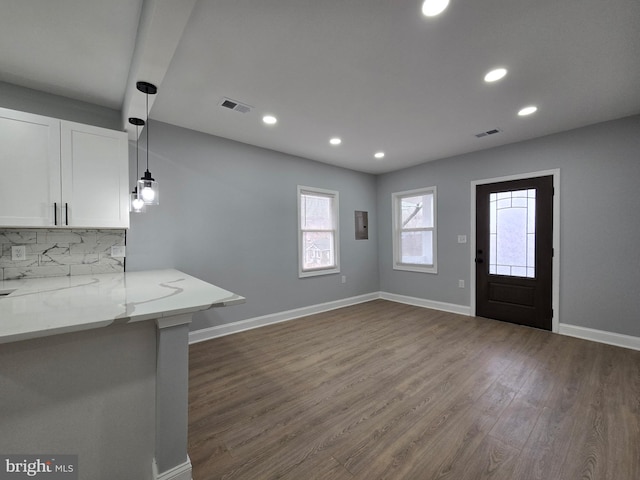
(431, 8)
(269, 119)
(379, 155)
(335, 141)
(527, 110)
(495, 75)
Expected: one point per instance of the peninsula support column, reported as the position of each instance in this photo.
(172, 399)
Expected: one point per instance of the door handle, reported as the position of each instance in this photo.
(479, 260)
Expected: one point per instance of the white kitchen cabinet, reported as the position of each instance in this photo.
(30, 187)
(95, 176)
(59, 173)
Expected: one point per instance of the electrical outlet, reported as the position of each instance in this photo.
(461, 283)
(118, 251)
(18, 252)
(462, 239)
(344, 279)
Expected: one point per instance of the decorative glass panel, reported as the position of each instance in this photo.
(512, 234)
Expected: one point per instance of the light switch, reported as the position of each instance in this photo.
(462, 239)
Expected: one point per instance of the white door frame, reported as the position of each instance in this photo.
(555, 294)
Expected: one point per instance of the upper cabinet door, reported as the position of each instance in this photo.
(29, 169)
(95, 176)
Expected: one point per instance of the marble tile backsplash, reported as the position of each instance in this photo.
(59, 253)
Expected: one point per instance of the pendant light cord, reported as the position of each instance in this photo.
(147, 129)
(137, 152)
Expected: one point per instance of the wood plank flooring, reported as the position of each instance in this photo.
(383, 390)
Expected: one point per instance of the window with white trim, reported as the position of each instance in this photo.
(414, 230)
(318, 236)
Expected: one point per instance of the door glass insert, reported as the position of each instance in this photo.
(512, 234)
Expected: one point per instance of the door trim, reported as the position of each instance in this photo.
(555, 292)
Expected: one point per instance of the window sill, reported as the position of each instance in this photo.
(316, 273)
(416, 268)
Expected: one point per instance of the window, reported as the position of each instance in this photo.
(512, 233)
(318, 251)
(414, 230)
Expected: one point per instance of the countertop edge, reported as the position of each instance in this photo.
(204, 296)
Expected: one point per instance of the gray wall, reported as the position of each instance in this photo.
(58, 252)
(40, 103)
(600, 224)
(228, 215)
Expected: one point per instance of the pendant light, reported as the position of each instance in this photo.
(136, 204)
(148, 188)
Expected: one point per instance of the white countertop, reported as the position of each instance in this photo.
(41, 307)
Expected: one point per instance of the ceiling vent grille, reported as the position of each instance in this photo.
(235, 105)
(488, 132)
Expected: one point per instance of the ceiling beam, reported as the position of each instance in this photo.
(160, 29)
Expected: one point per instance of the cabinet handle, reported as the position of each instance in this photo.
(66, 214)
(55, 213)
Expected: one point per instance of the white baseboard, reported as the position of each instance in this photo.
(617, 339)
(251, 323)
(179, 472)
(421, 302)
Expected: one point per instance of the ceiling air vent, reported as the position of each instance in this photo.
(235, 105)
(488, 132)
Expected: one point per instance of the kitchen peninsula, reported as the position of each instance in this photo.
(97, 366)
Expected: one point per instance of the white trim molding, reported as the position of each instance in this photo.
(257, 322)
(399, 229)
(421, 302)
(601, 336)
(610, 338)
(251, 323)
(179, 472)
(334, 197)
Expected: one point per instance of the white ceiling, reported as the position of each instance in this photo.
(374, 72)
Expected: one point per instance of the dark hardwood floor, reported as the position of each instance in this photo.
(383, 390)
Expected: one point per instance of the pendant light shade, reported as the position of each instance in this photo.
(136, 204)
(148, 189)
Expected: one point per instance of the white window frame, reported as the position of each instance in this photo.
(396, 201)
(302, 190)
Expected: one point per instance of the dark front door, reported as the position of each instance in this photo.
(514, 250)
